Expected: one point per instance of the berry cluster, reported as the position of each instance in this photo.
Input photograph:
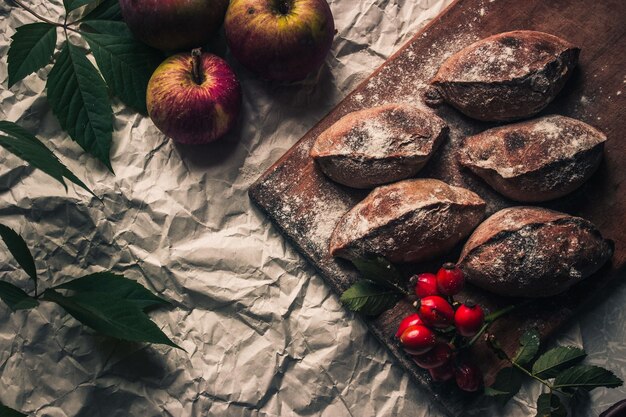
(432, 335)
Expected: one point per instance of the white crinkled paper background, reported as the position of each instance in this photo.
(263, 334)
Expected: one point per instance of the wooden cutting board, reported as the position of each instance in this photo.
(305, 205)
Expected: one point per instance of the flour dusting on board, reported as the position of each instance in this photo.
(309, 216)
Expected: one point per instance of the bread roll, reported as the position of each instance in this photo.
(378, 145)
(409, 221)
(536, 160)
(533, 252)
(507, 76)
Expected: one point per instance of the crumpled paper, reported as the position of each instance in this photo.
(263, 334)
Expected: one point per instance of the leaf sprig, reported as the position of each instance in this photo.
(24, 145)
(78, 92)
(377, 291)
(560, 364)
(109, 303)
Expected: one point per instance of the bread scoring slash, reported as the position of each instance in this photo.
(408, 221)
(533, 252)
(378, 145)
(535, 160)
(508, 76)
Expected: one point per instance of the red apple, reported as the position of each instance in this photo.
(174, 24)
(281, 40)
(194, 98)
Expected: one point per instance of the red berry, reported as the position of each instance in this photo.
(434, 358)
(442, 373)
(411, 320)
(468, 319)
(450, 279)
(436, 311)
(426, 285)
(468, 377)
(417, 339)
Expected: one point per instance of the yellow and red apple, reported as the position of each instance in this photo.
(174, 24)
(281, 40)
(194, 98)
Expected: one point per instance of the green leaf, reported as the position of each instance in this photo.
(378, 269)
(79, 98)
(115, 286)
(495, 346)
(9, 412)
(508, 382)
(549, 405)
(27, 147)
(75, 4)
(15, 298)
(587, 377)
(19, 250)
(110, 316)
(109, 27)
(529, 346)
(126, 65)
(31, 48)
(106, 10)
(555, 360)
(369, 298)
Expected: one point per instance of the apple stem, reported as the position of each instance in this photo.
(196, 70)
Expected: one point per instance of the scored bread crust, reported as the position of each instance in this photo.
(507, 76)
(533, 252)
(408, 221)
(536, 160)
(378, 145)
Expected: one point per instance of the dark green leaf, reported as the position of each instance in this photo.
(369, 298)
(508, 382)
(115, 286)
(495, 346)
(126, 64)
(19, 250)
(75, 4)
(555, 360)
(15, 298)
(378, 269)
(27, 147)
(549, 405)
(529, 346)
(79, 98)
(110, 316)
(586, 377)
(31, 48)
(492, 392)
(109, 27)
(9, 412)
(107, 10)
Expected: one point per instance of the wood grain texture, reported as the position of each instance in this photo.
(305, 205)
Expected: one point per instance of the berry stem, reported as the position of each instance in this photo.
(196, 71)
(497, 314)
(489, 319)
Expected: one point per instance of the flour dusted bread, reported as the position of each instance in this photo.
(533, 252)
(378, 145)
(409, 221)
(507, 76)
(536, 160)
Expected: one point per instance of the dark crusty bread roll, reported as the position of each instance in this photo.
(408, 221)
(533, 252)
(535, 160)
(507, 76)
(378, 145)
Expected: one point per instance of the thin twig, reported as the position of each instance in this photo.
(38, 16)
